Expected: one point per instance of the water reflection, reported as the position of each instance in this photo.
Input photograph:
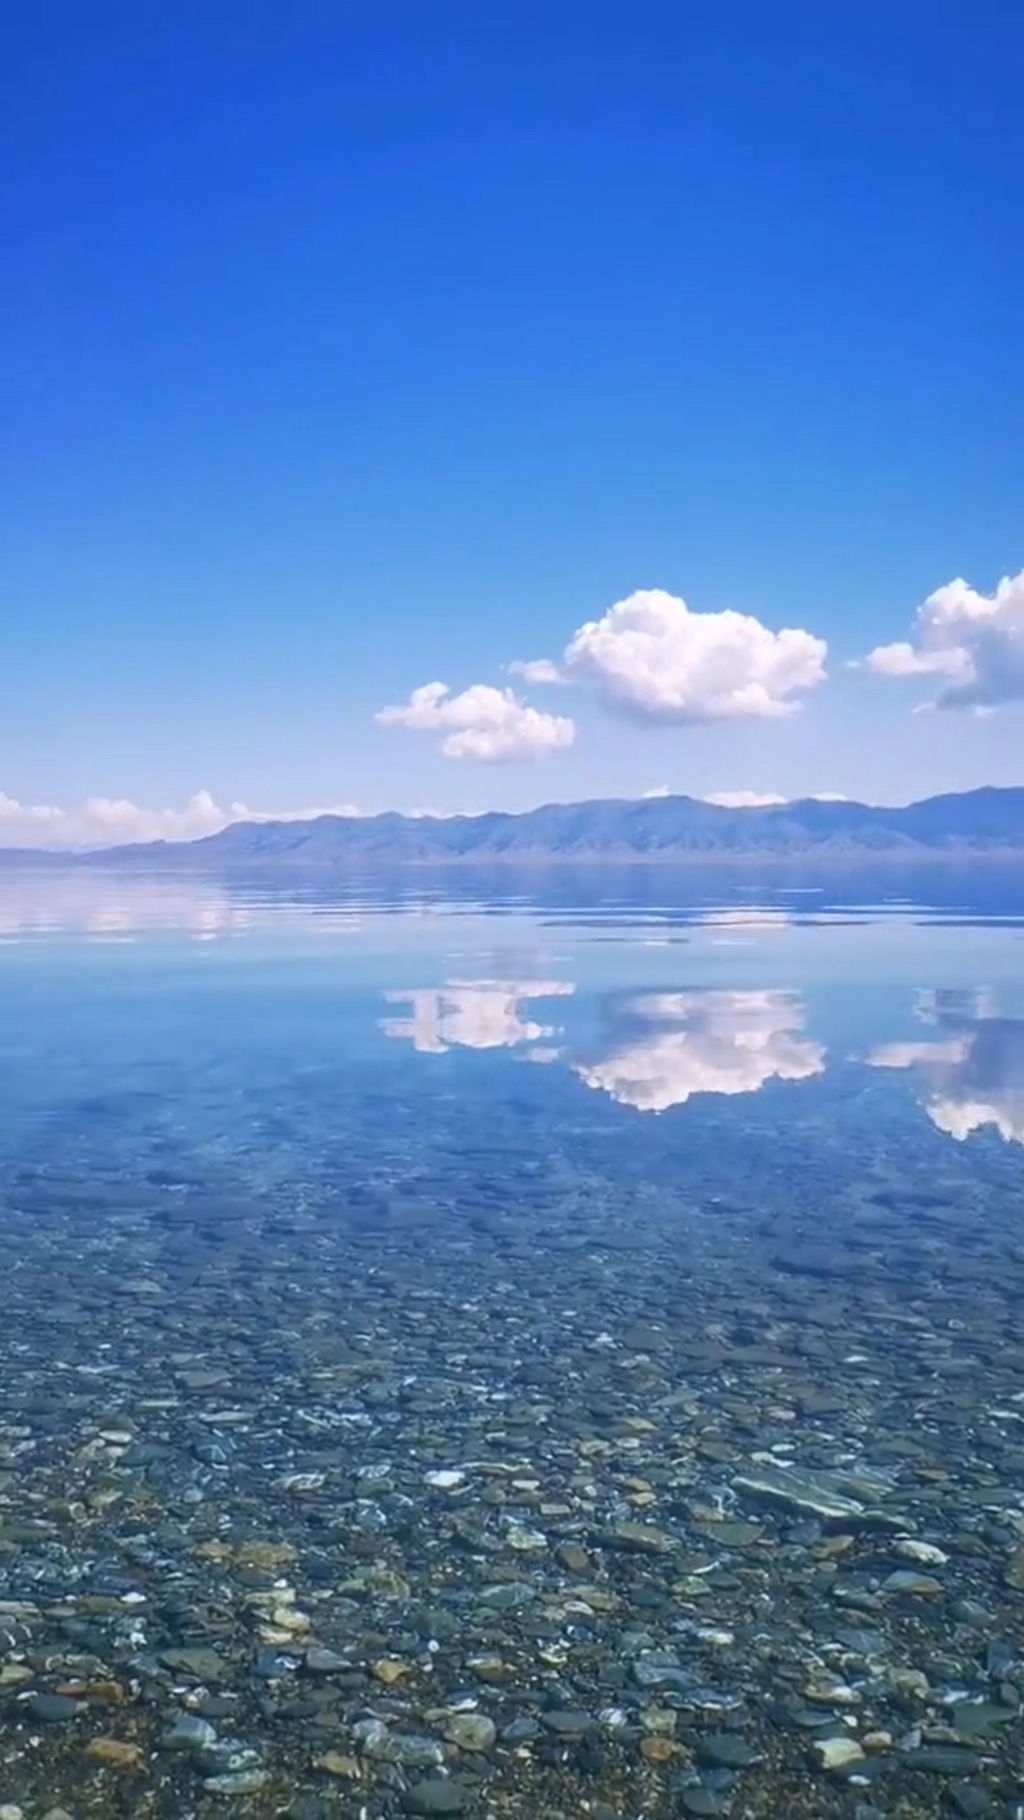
(653, 1050)
(42, 895)
(473, 1014)
(660, 1048)
(744, 918)
(971, 1073)
(43, 904)
(88, 904)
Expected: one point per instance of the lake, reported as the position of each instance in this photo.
(547, 1352)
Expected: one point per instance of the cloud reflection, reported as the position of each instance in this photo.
(663, 1047)
(474, 1014)
(971, 1074)
(127, 907)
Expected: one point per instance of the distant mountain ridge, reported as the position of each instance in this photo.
(987, 821)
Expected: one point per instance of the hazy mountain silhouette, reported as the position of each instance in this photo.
(989, 821)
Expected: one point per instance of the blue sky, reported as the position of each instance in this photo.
(342, 356)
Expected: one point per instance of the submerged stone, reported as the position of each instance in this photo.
(435, 1796)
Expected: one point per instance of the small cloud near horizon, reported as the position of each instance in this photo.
(744, 799)
(104, 821)
(750, 799)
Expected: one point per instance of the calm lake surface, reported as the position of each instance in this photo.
(551, 1353)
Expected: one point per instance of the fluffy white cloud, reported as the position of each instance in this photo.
(104, 821)
(668, 1046)
(971, 1075)
(473, 1014)
(976, 641)
(654, 658)
(483, 723)
(744, 799)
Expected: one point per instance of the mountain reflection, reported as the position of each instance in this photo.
(663, 1047)
(473, 1014)
(972, 1071)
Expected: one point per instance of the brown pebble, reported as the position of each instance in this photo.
(111, 1693)
(659, 1750)
(116, 1752)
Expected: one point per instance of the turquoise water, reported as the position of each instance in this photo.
(514, 1355)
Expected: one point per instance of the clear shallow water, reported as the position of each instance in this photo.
(550, 1353)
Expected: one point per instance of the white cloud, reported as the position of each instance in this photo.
(104, 821)
(483, 723)
(654, 658)
(974, 640)
(538, 670)
(473, 1014)
(753, 799)
(744, 799)
(668, 1046)
(970, 1076)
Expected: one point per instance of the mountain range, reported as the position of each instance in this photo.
(679, 828)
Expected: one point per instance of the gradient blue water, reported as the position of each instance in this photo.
(241, 1128)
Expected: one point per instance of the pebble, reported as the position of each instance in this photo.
(237, 1782)
(725, 1750)
(836, 1753)
(406, 1748)
(568, 1722)
(190, 1732)
(702, 1803)
(926, 1554)
(324, 1662)
(200, 1664)
(508, 1595)
(117, 1752)
(334, 1763)
(917, 1586)
(941, 1760)
(53, 1709)
(636, 1539)
(435, 1796)
(471, 1731)
(969, 1801)
(572, 1557)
